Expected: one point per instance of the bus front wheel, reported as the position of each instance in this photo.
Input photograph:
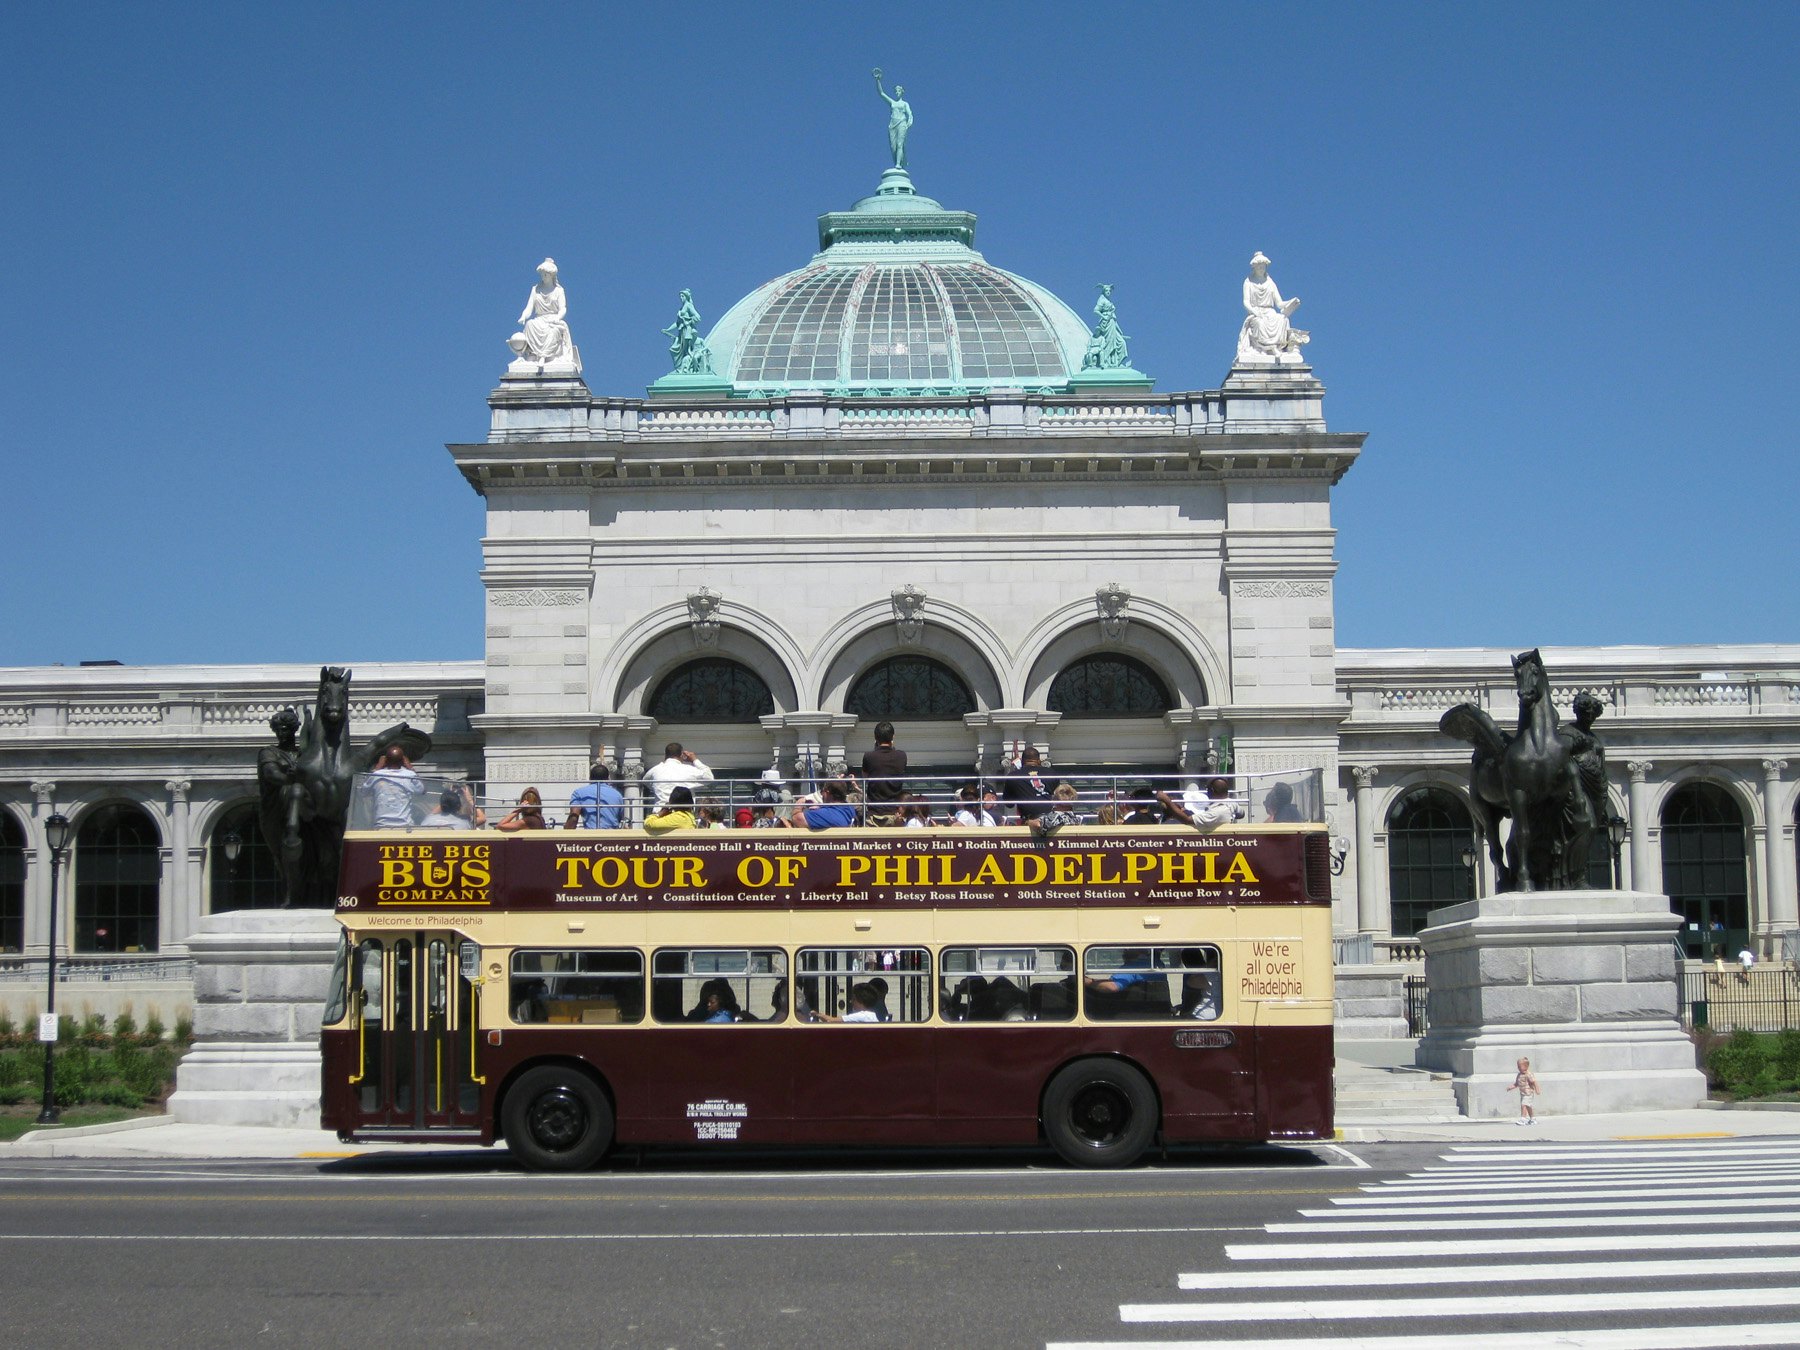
(557, 1120)
(1100, 1113)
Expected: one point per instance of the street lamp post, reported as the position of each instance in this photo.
(1616, 830)
(56, 834)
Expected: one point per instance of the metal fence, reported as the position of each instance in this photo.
(1763, 998)
(98, 970)
(1416, 1019)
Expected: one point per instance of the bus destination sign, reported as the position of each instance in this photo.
(866, 869)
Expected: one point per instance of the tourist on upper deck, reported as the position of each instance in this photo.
(1027, 789)
(596, 804)
(456, 810)
(1278, 804)
(1203, 811)
(679, 768)
(917, 812)
(832, 813)
(527, 815)
(394, 787)
(677, 815)
(884, 768)
(1062, 812)
(970, 814)
(1139, 808)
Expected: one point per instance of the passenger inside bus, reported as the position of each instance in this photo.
(862, 1006)
(530, 1001)
(1200, 985)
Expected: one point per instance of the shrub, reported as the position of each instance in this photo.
(1749, 1065)
(124, 1025)
(184, 1030)
(7, 1029)
(154, 1030)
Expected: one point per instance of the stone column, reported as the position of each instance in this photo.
(1638, 795)
(621, 744)
(36, 938)
(175, 919)
(1778, 907)
(1368, 918)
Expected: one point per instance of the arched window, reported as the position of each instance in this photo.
(910, 689)
(118, 872)
(711, 689)
(1109, 685)
(1429, 830)
(12, 883)
(252, 881)
(1704, 872)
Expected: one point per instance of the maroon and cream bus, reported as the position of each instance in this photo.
(569, 990)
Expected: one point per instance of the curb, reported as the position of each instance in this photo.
(86, 1131)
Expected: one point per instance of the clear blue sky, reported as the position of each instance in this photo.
(261, 259)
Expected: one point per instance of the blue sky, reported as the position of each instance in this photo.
(261, 261)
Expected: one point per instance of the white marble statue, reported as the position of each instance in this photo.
(1267, 337)
(543, 344)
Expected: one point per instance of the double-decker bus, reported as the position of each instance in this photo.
(573, 990)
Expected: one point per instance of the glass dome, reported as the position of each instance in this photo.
(897, 300)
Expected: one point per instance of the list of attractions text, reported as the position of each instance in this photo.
(890, 869)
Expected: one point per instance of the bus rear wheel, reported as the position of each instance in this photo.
(557, 1120)
(1100, 1113)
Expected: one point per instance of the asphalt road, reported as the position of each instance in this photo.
(462, 1249)
(1671, 1243)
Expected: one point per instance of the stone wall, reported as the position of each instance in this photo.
(260, 978)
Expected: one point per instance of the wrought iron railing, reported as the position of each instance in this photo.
(1417, 1022)
(1762, 998)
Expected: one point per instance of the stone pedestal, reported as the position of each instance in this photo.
(1371, 1003)
(260, 978)
(1584, 982)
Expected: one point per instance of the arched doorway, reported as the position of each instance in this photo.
(118, 875)
(1704, 869)
(1429, 830)
(1109, 684)
(12, 883)
(252, 881)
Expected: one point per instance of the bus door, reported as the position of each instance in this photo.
(414, 998)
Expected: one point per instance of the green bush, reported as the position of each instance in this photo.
(1749, 1065)
(121, 1069)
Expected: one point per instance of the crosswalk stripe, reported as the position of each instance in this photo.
(1577, 1168)
(1562, 1271)
(1711, 1337)
(1735, 1217)
(1345, 1251)
(1623, 1151)
(1690, 1205)
(1461, 1197)
(1471, 1305)
(1585, 1177)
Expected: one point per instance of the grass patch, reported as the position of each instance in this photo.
(20, 1120)
(121, 1067)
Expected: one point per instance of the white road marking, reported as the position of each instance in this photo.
(1473, 1305)
(1577, 1176)
(1734, 1216)
(1436, 1247)
(1648, 1338)
(1423, 1210)
(1461, 1197)
(1730, 1267)
(1551, 1153)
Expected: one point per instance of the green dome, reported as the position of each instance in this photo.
(897, 299)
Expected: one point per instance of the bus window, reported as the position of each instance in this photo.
(1007, 984)
(719, 986)
(1152, 983)
(591, 987)
(897, 980)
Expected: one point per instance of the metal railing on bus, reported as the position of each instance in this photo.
(404, 799)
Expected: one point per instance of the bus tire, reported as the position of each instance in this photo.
(557, 1120)
(1100, 1113)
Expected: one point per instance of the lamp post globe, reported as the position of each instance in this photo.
(56, 835)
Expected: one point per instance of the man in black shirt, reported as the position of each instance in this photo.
(883, 769)
(1029, 791)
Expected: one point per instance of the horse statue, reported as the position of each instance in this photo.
(1535, 775)
(305, 783)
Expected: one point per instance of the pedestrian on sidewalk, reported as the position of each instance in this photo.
(1527, 1087)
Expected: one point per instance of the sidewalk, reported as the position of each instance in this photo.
(151, 1137)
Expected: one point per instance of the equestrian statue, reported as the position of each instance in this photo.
(1550, 779)
(304, 782)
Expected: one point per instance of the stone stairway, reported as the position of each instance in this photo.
(1368, 1095)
